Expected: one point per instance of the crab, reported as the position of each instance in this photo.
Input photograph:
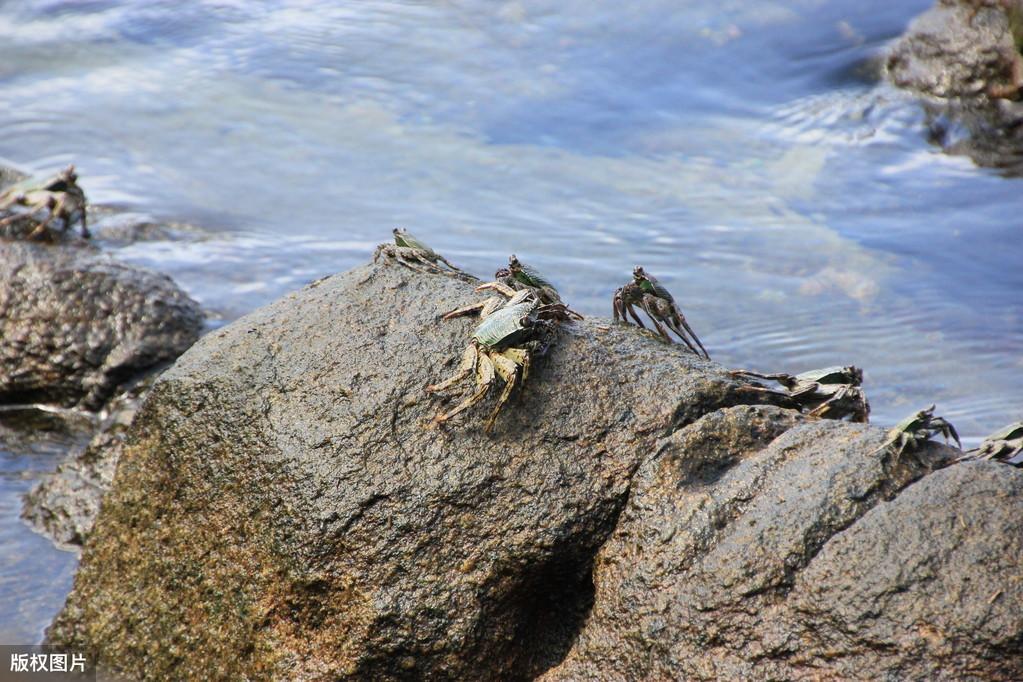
(527, 276)
(917, 429)
(502, 346)
(511, 280)
(831, 392)
(416, 255)
(1004, 445)
(59, 196)
(646, 292)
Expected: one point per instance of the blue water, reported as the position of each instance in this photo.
(745, 153)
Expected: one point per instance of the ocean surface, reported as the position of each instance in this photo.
(744, 153)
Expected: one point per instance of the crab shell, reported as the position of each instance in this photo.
(1011, 432)
(851, 375)
(526, 274)
(506, 326)
(403, 237)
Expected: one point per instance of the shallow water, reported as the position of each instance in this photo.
(743, 152)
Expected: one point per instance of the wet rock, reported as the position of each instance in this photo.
(963, 56)
(759, 545)
(64, 504)
(282, 508)
(76, 325)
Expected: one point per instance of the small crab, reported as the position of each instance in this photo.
(512, 279)
(832, 392)
(1004, 445)
(646, 292)
(59, 196)
(503, 346)
(416, 255)
(917, 429)
(528, 276)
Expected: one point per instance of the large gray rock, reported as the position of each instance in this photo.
(963, 56)
(76, 325)
(757, 545)
(283, 510)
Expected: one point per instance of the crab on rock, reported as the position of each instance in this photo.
(502, 346)
(650, 295)
(41, 202)
(415, 255)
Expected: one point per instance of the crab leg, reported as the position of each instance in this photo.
(509, 371)
(484, 308)
(467, 365)
(521, 358)
(484, 379)
(447, 262)
(681, 319)
(780, 377)
(656, 319)
(55, 207)
(635, 315)
(499, 287)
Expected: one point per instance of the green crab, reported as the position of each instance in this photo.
(502, 346)
(831, 392)
(917, 429)
(59, 196)
(416, 255)
(649, 294)
(1004, 445)
(525, 276)
(511, 280)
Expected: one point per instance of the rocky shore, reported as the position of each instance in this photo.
(285, 509)
(963, 58)
(83, 331)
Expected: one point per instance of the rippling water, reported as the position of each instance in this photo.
(743, 152)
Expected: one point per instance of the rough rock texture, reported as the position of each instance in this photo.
(64, 504)
(754, 549)
(283, 510)
(76, 325)
(964, 56)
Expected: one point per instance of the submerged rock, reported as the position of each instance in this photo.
(283, 509)
(77, 325)
(964, 57)
(65, 502)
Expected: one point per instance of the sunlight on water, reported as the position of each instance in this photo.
(741, 152)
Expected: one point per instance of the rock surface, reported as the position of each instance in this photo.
(282, 510)
(963, 55)
(77, 325)
(65, 503)
(758, 545)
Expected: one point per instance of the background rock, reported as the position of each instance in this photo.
(958, 54)
(77, 325)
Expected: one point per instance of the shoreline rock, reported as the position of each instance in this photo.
(64, 504)
(963, 58)
(78, 325)
(282, 510)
